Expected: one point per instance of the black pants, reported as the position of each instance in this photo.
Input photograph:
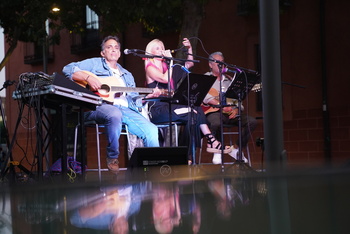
(248, 125)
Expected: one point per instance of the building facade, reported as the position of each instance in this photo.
(314, 54)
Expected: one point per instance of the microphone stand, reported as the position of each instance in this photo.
(222, 99)
(220, 106)
(169, 98)
(239, 89)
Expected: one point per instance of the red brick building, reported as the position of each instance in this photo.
(314, 58)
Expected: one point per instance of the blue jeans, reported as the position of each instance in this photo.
(140, 126)
(113, 117)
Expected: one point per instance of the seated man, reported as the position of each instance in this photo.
(118, 109)
(229, 112)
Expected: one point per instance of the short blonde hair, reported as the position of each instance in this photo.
(149, 47)
(152, 43)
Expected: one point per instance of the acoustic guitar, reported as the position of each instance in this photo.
(209, 108)
(112, 88)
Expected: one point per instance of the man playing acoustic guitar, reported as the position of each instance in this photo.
(117, 109)
(229, 112)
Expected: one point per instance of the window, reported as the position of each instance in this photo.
(91, 19)
(90, 38)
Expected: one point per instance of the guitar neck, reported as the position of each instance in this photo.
(131, 89)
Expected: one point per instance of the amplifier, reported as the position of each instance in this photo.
(158, 156)
(157, 162)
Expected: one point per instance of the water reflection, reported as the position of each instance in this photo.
(109, 209)
(142, 207)
(228, 194)
(161, 207)
(217, 204)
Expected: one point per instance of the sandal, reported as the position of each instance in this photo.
(211, 139)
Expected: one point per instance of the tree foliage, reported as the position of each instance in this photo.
(24, 20)
(156, 16)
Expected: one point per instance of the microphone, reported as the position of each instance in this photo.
(182, 67)
(130, 51)
(225, 70)
(185, 69)
(183, 49)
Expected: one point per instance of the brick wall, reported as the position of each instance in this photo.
(304, 137)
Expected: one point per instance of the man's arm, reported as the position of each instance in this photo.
(85, 78)
(74, 72)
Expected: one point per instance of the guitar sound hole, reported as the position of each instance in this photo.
(104, 89)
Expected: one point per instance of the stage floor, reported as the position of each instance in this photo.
(230, 198)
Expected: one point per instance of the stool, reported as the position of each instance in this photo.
(173, 124)
(97, 127)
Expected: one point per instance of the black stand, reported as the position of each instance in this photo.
(56, 93)
(223, 103)
(8, 163)
(239, 89)
(191, 92)
(169, 64)
(192, 129)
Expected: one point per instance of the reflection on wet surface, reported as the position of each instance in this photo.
(191, 199)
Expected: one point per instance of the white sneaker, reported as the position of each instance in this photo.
(234, 154)
(216, 158)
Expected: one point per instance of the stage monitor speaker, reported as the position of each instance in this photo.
(158, 156)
